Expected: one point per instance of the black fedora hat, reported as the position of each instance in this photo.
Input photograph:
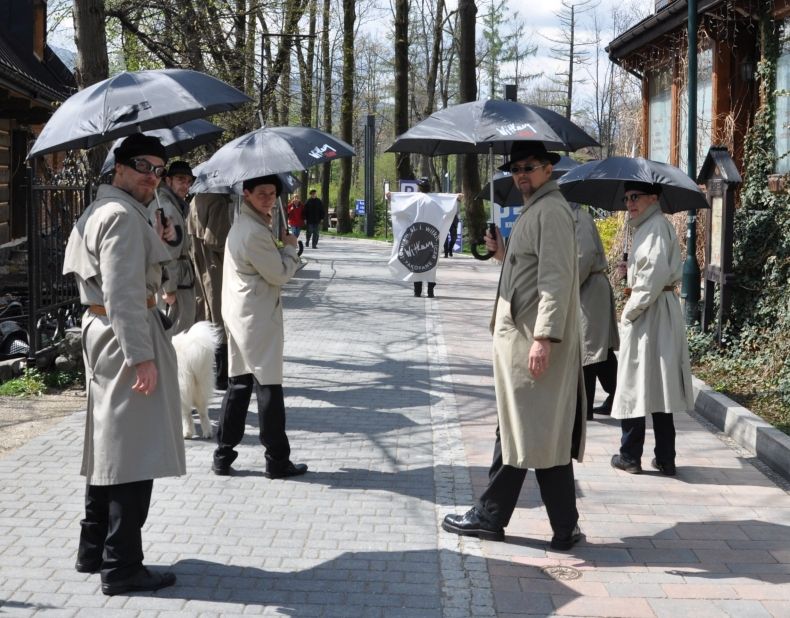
(521, 150)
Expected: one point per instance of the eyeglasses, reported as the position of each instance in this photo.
(525, 169)
(632, 197)
(143, 166)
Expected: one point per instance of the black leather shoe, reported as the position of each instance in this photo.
(291, 469)
(222, 470)
(87, 567)
(667, 469)
(605, 409)
(143, 580)
(471, 524)
(564, 543)
(626, 466)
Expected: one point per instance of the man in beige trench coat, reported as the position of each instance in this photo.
(537, 359)
(598, 319)
(208, 223)
(654, 372)
(178, 285)
(133, 424)
(254, 270)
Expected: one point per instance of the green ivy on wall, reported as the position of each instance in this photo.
(752, 366)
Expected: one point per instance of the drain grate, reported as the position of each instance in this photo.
(562, 572)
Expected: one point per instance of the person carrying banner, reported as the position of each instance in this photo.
(537, 360)
(420, 221)
(424, 186)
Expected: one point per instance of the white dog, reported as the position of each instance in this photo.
(195, 350)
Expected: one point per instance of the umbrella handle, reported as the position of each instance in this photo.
(489, 254)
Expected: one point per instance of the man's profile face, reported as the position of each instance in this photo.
(262, 198)
(180, 184)
(530, 174)
(140, 185)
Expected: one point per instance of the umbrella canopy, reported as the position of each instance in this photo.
(177, 141)
(506, 193)
(271, 150)
(490, 126)
(290, 183)
(134, 101)
(600, 184)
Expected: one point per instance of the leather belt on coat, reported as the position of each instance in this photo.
(666, 288)
(100, 310)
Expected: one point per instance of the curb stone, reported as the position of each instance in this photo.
(768, 443)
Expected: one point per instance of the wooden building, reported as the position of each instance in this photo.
(729, 49)
(32, 81)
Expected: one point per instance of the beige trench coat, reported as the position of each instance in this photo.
(116, 257)
(178, 275)
(653, 371)
(208, 223)
(598, 319)
(254, 270)
(539, 297)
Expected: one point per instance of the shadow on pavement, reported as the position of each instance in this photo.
(404, 584)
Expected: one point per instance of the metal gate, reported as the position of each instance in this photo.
(53, 299)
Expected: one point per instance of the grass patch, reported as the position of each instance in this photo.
(29, 384)
(34, 383)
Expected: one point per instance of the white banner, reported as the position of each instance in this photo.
(420, 223)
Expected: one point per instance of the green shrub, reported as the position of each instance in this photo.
(29, 384)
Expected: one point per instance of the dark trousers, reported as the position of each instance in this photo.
(312, 233)
(606, 373)
(633, 440)
(271, 422)
(557, 490)
(111, 533)
(418, 288)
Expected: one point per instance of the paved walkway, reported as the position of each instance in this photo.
(390, 402)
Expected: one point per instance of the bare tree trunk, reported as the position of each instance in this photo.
(470, 181)
(306, 70)
(402, 159)
(92, 63)
(346, 115)
(571, 59)
(293, 13)
(433, 71)
(249, 49)
(326, 59)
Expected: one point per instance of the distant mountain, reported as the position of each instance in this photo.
(67, 57)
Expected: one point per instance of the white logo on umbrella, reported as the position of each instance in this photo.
(320, 151)
(524, 129)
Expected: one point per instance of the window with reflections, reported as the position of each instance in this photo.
(782, 121)
(660, 110)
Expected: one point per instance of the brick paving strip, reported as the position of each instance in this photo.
(390, 401)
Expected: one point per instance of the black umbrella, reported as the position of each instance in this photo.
(490, 126)
(271, 150)
(134, 101)
(177, 141)
(600, 184)
(507, 194)
(290, 183)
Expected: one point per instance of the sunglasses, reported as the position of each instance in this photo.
(525, 169)
(142, 166)
(632, 197)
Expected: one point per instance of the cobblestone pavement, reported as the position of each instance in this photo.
(390, 401)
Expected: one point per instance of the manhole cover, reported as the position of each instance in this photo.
(562, 572)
